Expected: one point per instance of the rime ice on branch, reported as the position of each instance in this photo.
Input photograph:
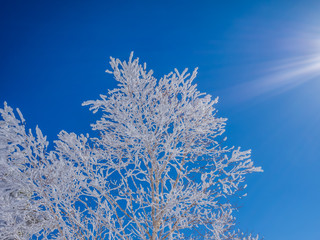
(156, 171)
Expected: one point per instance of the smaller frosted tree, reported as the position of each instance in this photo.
(156, 171)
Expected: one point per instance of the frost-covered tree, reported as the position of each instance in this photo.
(157, 170)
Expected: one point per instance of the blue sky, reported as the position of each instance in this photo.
(262, 58)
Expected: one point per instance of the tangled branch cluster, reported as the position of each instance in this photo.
(156, 171)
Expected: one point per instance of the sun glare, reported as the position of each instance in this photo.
(285, 73)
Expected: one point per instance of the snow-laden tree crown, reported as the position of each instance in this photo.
(156, 171)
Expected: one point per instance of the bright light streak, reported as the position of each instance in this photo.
(296, 62)
(282, 76)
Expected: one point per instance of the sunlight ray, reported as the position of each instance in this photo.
(280, 76)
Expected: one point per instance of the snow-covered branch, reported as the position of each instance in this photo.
(156, 171)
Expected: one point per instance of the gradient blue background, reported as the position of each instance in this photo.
(53, 55)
